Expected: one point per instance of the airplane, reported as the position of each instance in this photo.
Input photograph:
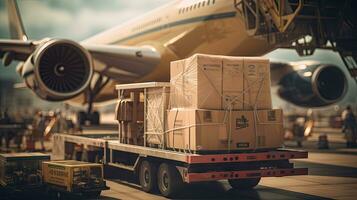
(141, 50)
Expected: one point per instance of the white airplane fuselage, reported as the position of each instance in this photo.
(178, 30)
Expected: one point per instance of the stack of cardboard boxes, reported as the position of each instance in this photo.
(221, 103)
(130, 117)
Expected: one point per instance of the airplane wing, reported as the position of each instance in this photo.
(60, 69)
(111, 60)
(16, 49)
(123, 61)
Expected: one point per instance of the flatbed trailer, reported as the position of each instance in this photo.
(169, 169)
(163, 168)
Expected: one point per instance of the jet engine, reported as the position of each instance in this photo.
(313, 85)
(58, 70)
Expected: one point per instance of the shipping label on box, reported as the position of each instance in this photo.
(242, 122)
(242, 130)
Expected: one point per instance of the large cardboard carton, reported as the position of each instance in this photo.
(221, 82)
(270, 130)
(195, 130)
(210, 130)
(256, 83)
(218, 130)
(196, 82)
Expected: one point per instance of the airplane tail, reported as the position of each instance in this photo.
(16, 26)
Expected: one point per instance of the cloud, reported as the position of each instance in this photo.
(3, 23)
(42, 19)
(76, 19)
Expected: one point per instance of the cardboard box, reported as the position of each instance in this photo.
(232, 83)
(196, 82)
(220, 82)
(196, 130)
(157, 102)
(270, 129)
(257, 83)
(218, 130)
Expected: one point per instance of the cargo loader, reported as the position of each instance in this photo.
(21, 172)
(73, 177)
(34, 174)
(213, 121)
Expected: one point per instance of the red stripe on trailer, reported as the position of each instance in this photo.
(212, 176)
(246, 157)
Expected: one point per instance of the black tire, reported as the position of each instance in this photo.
(169, 179)
(148, 176)
(59, 195)
(81, 117)
(248, 183)
(51, 194)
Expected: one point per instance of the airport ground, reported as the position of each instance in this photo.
(332, 175)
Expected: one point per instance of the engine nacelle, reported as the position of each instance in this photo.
(314, 86)
(58, 70)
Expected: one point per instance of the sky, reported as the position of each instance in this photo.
(71, 19)
(80, 19)
(75, 19)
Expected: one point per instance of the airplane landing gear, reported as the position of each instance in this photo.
(89, 117)
(92, 118)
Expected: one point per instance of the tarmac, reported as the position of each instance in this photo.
(332, 175)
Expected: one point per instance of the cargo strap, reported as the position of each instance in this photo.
(228, 109)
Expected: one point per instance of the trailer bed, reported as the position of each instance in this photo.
(186, 157)
(245, 168)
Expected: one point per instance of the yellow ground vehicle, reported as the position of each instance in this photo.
(21, 172)
(75, 177)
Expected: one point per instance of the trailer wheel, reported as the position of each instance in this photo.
(244, 183)
(169, 180)
(51, 193)
(59, 195)
(148, 176)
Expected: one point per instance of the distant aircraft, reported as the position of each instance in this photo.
(141, 49)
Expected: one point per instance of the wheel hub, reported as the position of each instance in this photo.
(165, 180)
(146, 176)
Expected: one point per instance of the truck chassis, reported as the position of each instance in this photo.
(168, 170)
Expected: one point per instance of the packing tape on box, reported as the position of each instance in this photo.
(156, 104)
(226, 120)
(188, 77)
